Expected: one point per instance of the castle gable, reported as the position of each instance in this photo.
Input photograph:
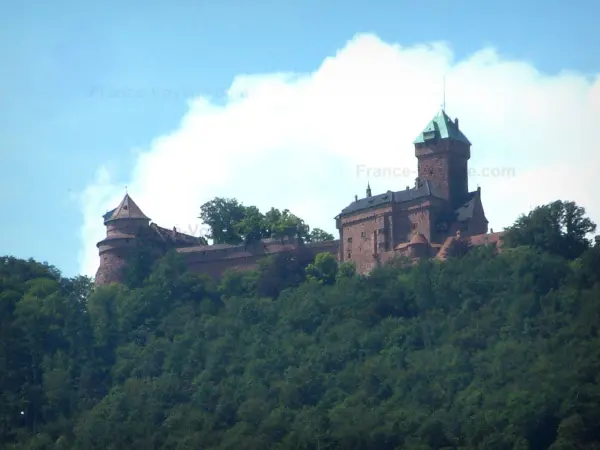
(471, 215)
(466, 211)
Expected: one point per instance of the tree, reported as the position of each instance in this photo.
(324, 269)
(290, 226)
(319, 235)
(222, 216)
(252, 227)
(559, 227)
(231, 222)
(347, 269)
(272, 218)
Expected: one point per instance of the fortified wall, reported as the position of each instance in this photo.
(435, 218)
(127, 227)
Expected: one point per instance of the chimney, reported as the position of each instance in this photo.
(456, 123)
(407, 188)
(355, 198)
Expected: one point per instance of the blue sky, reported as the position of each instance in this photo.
(277, 103)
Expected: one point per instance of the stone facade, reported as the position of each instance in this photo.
(434, 218)
(436, 214)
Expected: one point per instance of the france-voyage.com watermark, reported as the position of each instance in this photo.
(192, 229)
(362, 170)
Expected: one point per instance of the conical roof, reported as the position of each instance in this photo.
(418, 238)
(441, 127)
(127, 209)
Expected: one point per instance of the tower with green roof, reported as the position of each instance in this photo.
(443, 152)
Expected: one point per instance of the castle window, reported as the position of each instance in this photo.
(349, 254)
(414, 226)
(349, 240)
(363, 235)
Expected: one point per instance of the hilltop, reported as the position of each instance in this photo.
(482, 351)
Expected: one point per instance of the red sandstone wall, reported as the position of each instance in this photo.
(126, 226)
(216, 267)
(111, 267)
(420, 216)
(446, 165)
(364, 237)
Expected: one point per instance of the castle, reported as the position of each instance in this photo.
(429, 220)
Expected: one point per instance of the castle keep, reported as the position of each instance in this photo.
(427, 220)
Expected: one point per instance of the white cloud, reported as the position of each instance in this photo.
(294, 140)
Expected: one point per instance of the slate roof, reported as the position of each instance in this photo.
(108, 214)
(441, 127)
(465, 211)
(426, 189)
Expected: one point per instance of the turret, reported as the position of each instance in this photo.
(418, 246)
(124, 224)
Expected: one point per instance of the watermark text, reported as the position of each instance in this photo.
(363, 170)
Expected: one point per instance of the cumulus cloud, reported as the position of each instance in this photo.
(295, 140)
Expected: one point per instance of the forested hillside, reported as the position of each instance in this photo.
(484, 351)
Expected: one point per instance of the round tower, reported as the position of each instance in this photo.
(123, 226)
(418, 246)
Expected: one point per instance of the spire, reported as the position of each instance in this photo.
(127, 209)
(444, 94)
(442, 127)
(368, 189)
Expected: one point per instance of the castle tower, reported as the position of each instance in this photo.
(123, 225)
(418, 246)
(443, 152)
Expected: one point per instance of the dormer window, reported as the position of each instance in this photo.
(428, 135)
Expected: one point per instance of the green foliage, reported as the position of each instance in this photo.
(324, 269)
(559, 227)
(251, 227)
(222, 216)
(318, 235)
(141, 259)
(483, 351)
(230, 222)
